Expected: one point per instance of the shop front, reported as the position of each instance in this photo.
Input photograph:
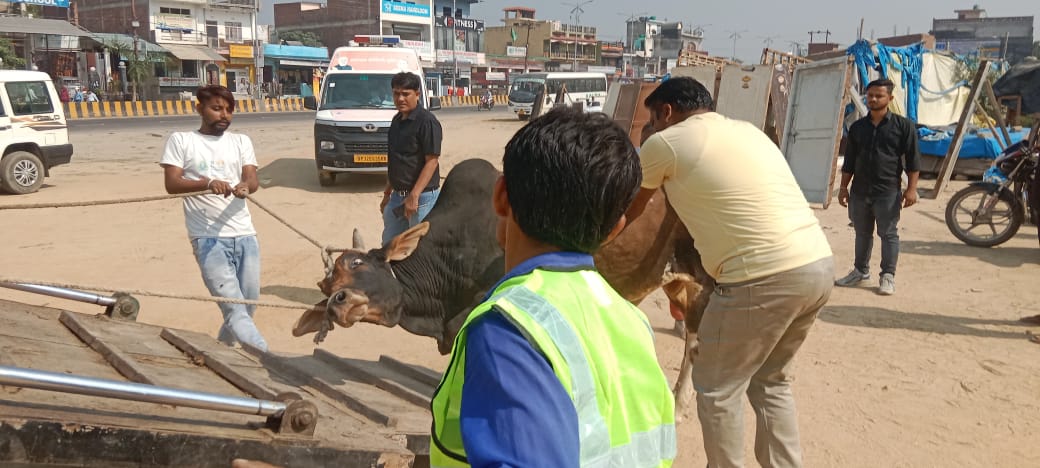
(294, 70)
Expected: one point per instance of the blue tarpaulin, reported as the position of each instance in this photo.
(909, 63)
(980, 145)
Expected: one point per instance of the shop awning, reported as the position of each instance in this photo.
(190, 52)
(18, 24)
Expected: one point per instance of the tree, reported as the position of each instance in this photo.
(140, 66)
(307, 38)
(10, 58)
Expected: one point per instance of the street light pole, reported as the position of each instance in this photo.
(454, 58)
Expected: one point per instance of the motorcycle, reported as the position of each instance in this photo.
(990, 212)
(486, 103)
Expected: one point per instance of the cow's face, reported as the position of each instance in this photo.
(362, 286)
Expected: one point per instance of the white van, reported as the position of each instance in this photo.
(34, 134)
(356, 106)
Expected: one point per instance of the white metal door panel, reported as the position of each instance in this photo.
(813, 128)
(744, 93)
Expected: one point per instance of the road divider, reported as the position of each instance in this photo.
(110, 109)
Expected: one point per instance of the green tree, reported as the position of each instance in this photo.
(139, 67)
(307, 38)
(10, 58)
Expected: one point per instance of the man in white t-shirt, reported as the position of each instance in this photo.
(760, 241)
(219, 226)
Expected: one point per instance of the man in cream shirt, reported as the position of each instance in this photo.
(761, 242)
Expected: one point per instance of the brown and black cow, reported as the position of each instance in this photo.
(430, 277)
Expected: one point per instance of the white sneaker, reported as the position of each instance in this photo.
(888, 284)
(853, 278)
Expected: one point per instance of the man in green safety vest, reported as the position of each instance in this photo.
(554, 368)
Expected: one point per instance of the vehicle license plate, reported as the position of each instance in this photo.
(370, 158)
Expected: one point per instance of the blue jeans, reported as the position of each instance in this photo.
(394, 225)
(231, 268)
(881, 210)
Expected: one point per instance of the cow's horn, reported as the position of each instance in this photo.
(358, 243)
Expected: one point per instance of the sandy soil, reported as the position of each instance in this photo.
(939, 375)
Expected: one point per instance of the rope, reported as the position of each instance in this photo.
(117, 201)
(189, 297)
(326, 250)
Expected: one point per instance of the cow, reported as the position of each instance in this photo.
(428, 278)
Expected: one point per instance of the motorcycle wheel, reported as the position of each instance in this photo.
(971, 224)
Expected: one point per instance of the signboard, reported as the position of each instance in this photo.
(495, 76)
(423, 48)
(182, 82)
(602, 69)
(472, 58)
(468, 24)
(240, 51)
(175, 23)
(391, 7)
(513, 51)
(53, 3)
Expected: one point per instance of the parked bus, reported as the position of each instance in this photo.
(590, 89)
(356, 106)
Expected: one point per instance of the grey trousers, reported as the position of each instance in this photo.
(747, 341)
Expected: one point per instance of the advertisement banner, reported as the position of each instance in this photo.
(405, 9)
(468, 24)
(240, 51)
(472, 58)
(424, 48)
(513, 51)
(53, 3)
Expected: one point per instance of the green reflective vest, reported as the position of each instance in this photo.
(601, 348)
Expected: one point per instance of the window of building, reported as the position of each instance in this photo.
(190, 68)
(232, 31)
(212, 34)
(175, 11)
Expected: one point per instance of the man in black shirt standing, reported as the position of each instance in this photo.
(413, 174)
(881, 146)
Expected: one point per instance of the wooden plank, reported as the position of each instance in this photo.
(222, 361)
(744, 93)
(988, 87)
(421, 374)
(380, 377)
(116, 358)
(946, 171)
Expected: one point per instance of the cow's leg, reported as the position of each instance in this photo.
(683, 389)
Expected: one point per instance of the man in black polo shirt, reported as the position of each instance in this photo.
(413, 175)
(881, 146)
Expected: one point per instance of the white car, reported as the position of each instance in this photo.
(34, 133)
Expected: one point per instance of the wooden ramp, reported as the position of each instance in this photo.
(370, 413)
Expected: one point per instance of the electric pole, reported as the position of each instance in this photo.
(576, 12)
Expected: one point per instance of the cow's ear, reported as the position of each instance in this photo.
(405, 243)
(311, 320)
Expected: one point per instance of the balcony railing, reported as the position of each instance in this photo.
(570, 56)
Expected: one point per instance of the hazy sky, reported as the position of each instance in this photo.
(757, 21)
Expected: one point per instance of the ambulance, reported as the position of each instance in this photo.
(355, 105)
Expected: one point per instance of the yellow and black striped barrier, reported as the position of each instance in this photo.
(109, 109)
(459, 101)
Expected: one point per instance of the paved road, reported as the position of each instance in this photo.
(258, 118)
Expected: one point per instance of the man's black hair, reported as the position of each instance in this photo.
(683, 93)
(570, 175)
(883, 83)
(406, 80)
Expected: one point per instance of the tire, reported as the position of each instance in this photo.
(326, 178)
(971, 197)
(21, 172)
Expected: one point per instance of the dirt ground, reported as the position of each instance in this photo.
(941, 374)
